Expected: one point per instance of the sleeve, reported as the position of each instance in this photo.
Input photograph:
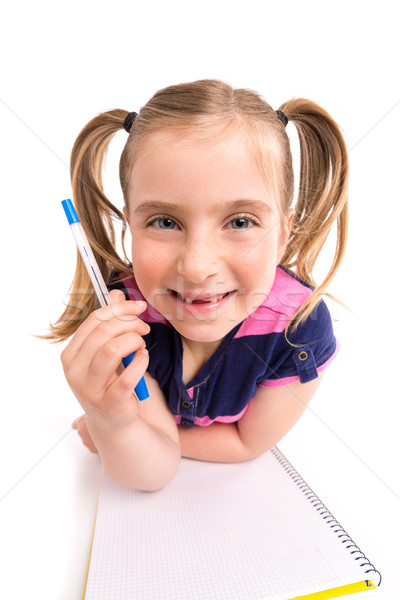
(301, 355)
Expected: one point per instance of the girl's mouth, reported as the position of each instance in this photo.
(200, 299)
(201, 303)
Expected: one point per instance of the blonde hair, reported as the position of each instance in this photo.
(208, 108)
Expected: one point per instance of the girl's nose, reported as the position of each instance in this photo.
(199, 259)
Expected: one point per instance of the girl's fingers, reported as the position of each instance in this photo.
(81, 426)
(118, 399)
(93, 358)
(82, 349)
(89, 370)
(123, 310)
(116, 296)
(109, 356)
(75, 423)
(118, 406)
(104, 338)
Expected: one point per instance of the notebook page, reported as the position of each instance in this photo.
(217, 531)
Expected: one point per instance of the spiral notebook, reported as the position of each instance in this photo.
(247, 531)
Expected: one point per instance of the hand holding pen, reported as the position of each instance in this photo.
(92, 358)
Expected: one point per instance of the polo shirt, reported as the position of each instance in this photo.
(256, 352)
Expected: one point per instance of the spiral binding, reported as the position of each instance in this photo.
(324, 512)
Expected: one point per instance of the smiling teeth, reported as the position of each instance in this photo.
(210, 300)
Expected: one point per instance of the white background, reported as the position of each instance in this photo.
(64, 62)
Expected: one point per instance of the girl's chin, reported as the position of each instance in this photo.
(205, 334)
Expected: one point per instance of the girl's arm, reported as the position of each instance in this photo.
(145, 454)
(138, 441)
(270, 415)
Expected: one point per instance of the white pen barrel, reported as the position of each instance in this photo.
(90, 263)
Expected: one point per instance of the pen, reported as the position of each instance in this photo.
(96, 278)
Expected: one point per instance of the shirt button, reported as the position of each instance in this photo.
(303, 355)
(186, 404)
(185, 423)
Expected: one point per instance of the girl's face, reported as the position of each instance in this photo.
(206, 233)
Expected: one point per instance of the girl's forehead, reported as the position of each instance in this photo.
(214, 156)
(176, 166)
(196, 138)
(175, 155)
(205, 162)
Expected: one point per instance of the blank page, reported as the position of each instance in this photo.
(217, 531)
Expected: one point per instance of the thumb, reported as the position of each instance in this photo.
(116, 296)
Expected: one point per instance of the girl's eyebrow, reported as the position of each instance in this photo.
(157, 205)
(255, 205)
(244, 204)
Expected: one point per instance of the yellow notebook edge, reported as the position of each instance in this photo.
(351, 588)
(92, 538)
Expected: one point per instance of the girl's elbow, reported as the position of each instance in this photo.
(157, 486)
(151, 478)
(149, 485)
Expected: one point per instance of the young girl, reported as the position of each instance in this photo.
(219, 302)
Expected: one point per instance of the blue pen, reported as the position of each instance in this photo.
(96, 278)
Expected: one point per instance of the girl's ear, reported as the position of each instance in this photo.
(285, 233)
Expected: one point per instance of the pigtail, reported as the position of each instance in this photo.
(322, 198)
(96, 214)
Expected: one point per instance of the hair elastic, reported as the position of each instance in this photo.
(282, 117)
(129, 121)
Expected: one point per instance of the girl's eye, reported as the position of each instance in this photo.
(167, 224)
(163, 223)
(242, 222)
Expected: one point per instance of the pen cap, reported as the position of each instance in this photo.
(70, 211)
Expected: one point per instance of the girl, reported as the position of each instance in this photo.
(219, 301)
